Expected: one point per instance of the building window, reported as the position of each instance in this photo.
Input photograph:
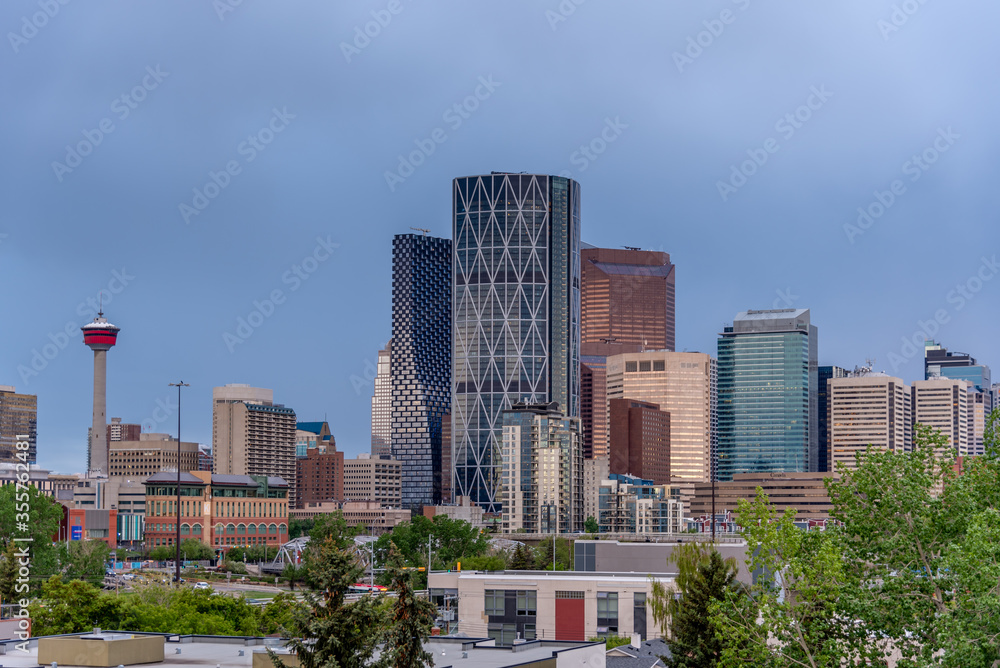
(273, 529)
(607, 613)
(631, 367)
(252, 529)
(197, 530)
(241, 529)
(526, 603)
(644, 366)
(502, 633)
(569, 594)
(529, 631)
(495, 602)
(230, 529)
(659, 365)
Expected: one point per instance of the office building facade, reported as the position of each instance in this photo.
(943, 403)
(867, 410)
(148, 455)
(683, 385)
(421, 363)
(368, 478)
(824, 374)
(382, 405)
(18, 417)
(640, 440)
(251, 435)
(768, 375)
(319, 476)
(594, 393)
(516, 310)
(542, 482)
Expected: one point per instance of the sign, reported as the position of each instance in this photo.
(77, 533)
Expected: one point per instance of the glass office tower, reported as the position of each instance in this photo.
(767, 394)
(516, 334)
(420, 363)
(825, 373)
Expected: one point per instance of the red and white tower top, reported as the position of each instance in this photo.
(100, 334)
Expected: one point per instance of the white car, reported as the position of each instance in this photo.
(201, 585)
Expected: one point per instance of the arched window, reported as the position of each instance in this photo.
(185, 529)
(251, 529)
(282, 529)
(219, 529)
(273, 529)
(230, 529)
(197, 530)
(241, 529)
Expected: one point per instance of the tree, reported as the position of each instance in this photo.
(8, 574)
(522, 560)
(193, 549)
(412, 619)
(564, 554)
(297, 527)
(335, 527)
(336, 633)
(84, 560)
(27, 513)
(591, 525)
(703, 577)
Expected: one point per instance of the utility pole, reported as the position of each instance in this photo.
(177, 560)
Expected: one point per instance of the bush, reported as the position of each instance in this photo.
(612, 641)
(233, 567)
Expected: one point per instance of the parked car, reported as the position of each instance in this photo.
(201, 585)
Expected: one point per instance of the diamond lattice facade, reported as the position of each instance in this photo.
(516, 313)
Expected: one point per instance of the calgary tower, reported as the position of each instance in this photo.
(100, 335)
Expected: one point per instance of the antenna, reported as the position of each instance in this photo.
(421, 229)
(631, 248)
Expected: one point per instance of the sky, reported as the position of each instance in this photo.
(227, 176)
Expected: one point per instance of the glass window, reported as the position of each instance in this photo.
(644, 366)
(630, 367)
(529, 631)
(494, 602)
(659, 365)
(526, 603)
(607, 612)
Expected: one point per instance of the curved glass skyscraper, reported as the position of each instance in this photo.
(516, 334)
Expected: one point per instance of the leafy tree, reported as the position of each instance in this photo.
(298, 527)
(486, 562)
(412, 619)
(703, 577)
(84, 560)
(611, 642)
(591, 525)
(72, 607)
(41, 525)
(564, 554)
(334, 526)
(337, 634)
(522, 560)
(8, 574)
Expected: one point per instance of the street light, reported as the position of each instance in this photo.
(177, 560)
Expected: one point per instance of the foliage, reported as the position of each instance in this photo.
(486, 562)
(43, 518)
(611, 641)
(336, 633)
(234, 567)
(703, 578)
(522, 559)
(911, 567)
(71, 607)
(297, 527)
(412, 619)
(334, 526)
(564, 554)
(8, 574)
(192, 549)
(84, 560)
(252, 553)
(591, 525)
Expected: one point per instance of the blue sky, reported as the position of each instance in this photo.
(196, 160)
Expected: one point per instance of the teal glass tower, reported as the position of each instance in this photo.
(768, 394)
(516, 310)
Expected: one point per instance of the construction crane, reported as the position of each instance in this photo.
(421, 229)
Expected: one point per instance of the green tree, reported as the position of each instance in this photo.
(26, 513)
(336, 633)
(522, 560)
(412, 619)
(703, 578)
(334, 526)
(591, 525)
(298, 528)
(8, 574)
(564, 554)
(611, 642)
(84, 560)
(486, 562)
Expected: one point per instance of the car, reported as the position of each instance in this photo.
(174, 579)
(201, 585)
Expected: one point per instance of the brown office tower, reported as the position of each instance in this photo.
(594, 394)
(627, 296)
(640, 440)
(319, 476)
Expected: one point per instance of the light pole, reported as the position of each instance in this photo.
(177, 560)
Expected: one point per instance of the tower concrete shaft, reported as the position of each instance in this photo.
(98, 451)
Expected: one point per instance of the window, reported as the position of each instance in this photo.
(607, 613)
(644, 366)
(494, 602)
(630, 367)
(251, 529)
(197, 530)
(230, 529)
(529, 631)
(526, 603)
(659, 365)
(502, 633)
(272, 529)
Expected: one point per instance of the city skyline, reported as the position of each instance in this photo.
(302, 162)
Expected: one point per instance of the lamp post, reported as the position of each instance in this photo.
(177, 560)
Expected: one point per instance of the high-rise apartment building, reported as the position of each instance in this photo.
(681, 384)
(640, 440)
(421, 363)
(369, 478)
(542, 483)
(824, 374)
(123, 431)
(943, 403)
(767, 394)
(18, 417)
(382, 404)
(516, 330)
(251, 435)
(627, 296)
(872, 409)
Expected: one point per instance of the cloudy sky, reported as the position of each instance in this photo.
(193, 160)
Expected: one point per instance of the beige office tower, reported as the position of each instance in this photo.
(251, 435)
(382, 406)
(943, 403)
(682, 384)
(979, 410)
(867, 410)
